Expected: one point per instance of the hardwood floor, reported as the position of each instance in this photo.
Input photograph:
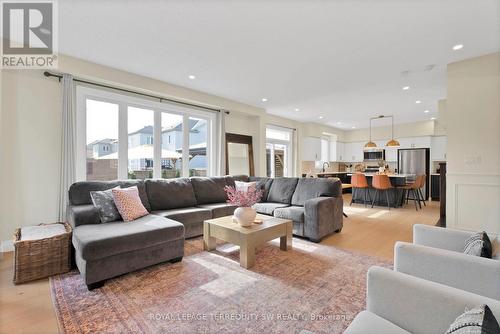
(27, 308)
(374, 231)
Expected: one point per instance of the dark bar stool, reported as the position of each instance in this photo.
(415, 189)
(358, 181)
(381, 183)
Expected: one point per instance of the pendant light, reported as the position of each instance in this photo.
(392, 142)
(370, 144)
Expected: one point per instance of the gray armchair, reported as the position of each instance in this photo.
(398, 303)
(436, 255)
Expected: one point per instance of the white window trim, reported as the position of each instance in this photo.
(123, 101)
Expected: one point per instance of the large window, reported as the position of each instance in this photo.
(120, 136)
(279, 150)
(101, 140)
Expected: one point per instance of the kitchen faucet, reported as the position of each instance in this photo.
(328, 164)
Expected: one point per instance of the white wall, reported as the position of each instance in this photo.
(472, 125)
(29, 150)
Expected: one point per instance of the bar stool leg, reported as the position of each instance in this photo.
(414, 199)
(364, 190)
(375, 197)
(352, 195)
(387, 198)
(422, 195)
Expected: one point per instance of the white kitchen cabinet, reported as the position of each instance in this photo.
(415, 142)
(391, 154)
(336, 151)
(438, 148)
(354, 151)
(311, 149)
(325, 150)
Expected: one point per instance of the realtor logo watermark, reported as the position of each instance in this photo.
(29, 34)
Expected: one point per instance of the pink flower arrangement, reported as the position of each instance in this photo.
(243, 198)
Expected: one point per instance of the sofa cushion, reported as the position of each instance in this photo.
(79, 192)
(368, 322)
(82, 215)
(219, 209)
(295, 213)
(282, 189)
(103, 240)
(263, 184)
(191, 215)
(308, 188)
(165, 194)
(268, 208)
(209, 189)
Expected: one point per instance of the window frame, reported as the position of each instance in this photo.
(289, 169)
(124, 101)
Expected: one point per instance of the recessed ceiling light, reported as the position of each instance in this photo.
(297, 109)
(433, 118)
(320, 117)
(192, 77)
(264, 99)
(418, 102)
(353, 127)
(339, 123)
(458, 47)
(426, 111)
(406, 87)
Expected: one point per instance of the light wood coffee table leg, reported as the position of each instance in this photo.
(209, 242)
(286, 241)
(247, 253)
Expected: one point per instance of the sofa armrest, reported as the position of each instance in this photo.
(439, 237)
(82, 215)
(470, 273)
(417, 305)
(323, 215)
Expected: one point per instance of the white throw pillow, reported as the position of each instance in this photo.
(244, 186)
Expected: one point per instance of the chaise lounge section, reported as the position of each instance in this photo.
(178, 207)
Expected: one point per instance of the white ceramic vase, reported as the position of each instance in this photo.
(245, 216)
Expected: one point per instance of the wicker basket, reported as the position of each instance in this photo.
(41, 258)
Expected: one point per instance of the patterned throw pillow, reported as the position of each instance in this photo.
(478, 244)
(129, 203)
(105, 204)
(244, 186)
(479, 320)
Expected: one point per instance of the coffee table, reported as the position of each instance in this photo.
(247, 237)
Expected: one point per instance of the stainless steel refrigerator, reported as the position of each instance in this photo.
(415, 161)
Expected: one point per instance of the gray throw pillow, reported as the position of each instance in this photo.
(105, 204)
(479, 320)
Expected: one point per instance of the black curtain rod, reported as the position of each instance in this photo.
(48, 74)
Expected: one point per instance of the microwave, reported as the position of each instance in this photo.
(374, 155)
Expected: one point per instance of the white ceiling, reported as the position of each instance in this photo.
(342, 60)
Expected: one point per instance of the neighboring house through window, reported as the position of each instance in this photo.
(126, 137)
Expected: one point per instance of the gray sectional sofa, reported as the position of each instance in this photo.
(177, 210)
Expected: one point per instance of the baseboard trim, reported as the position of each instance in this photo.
(6, 246)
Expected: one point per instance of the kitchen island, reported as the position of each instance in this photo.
(395, 194)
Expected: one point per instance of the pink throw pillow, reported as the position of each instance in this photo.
(129, 203)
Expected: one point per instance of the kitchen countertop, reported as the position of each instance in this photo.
(328, 173)
(390, 175)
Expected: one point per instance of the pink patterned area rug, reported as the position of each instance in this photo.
(313, 287)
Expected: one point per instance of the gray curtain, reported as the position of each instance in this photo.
(68, 142)
(221, 143)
